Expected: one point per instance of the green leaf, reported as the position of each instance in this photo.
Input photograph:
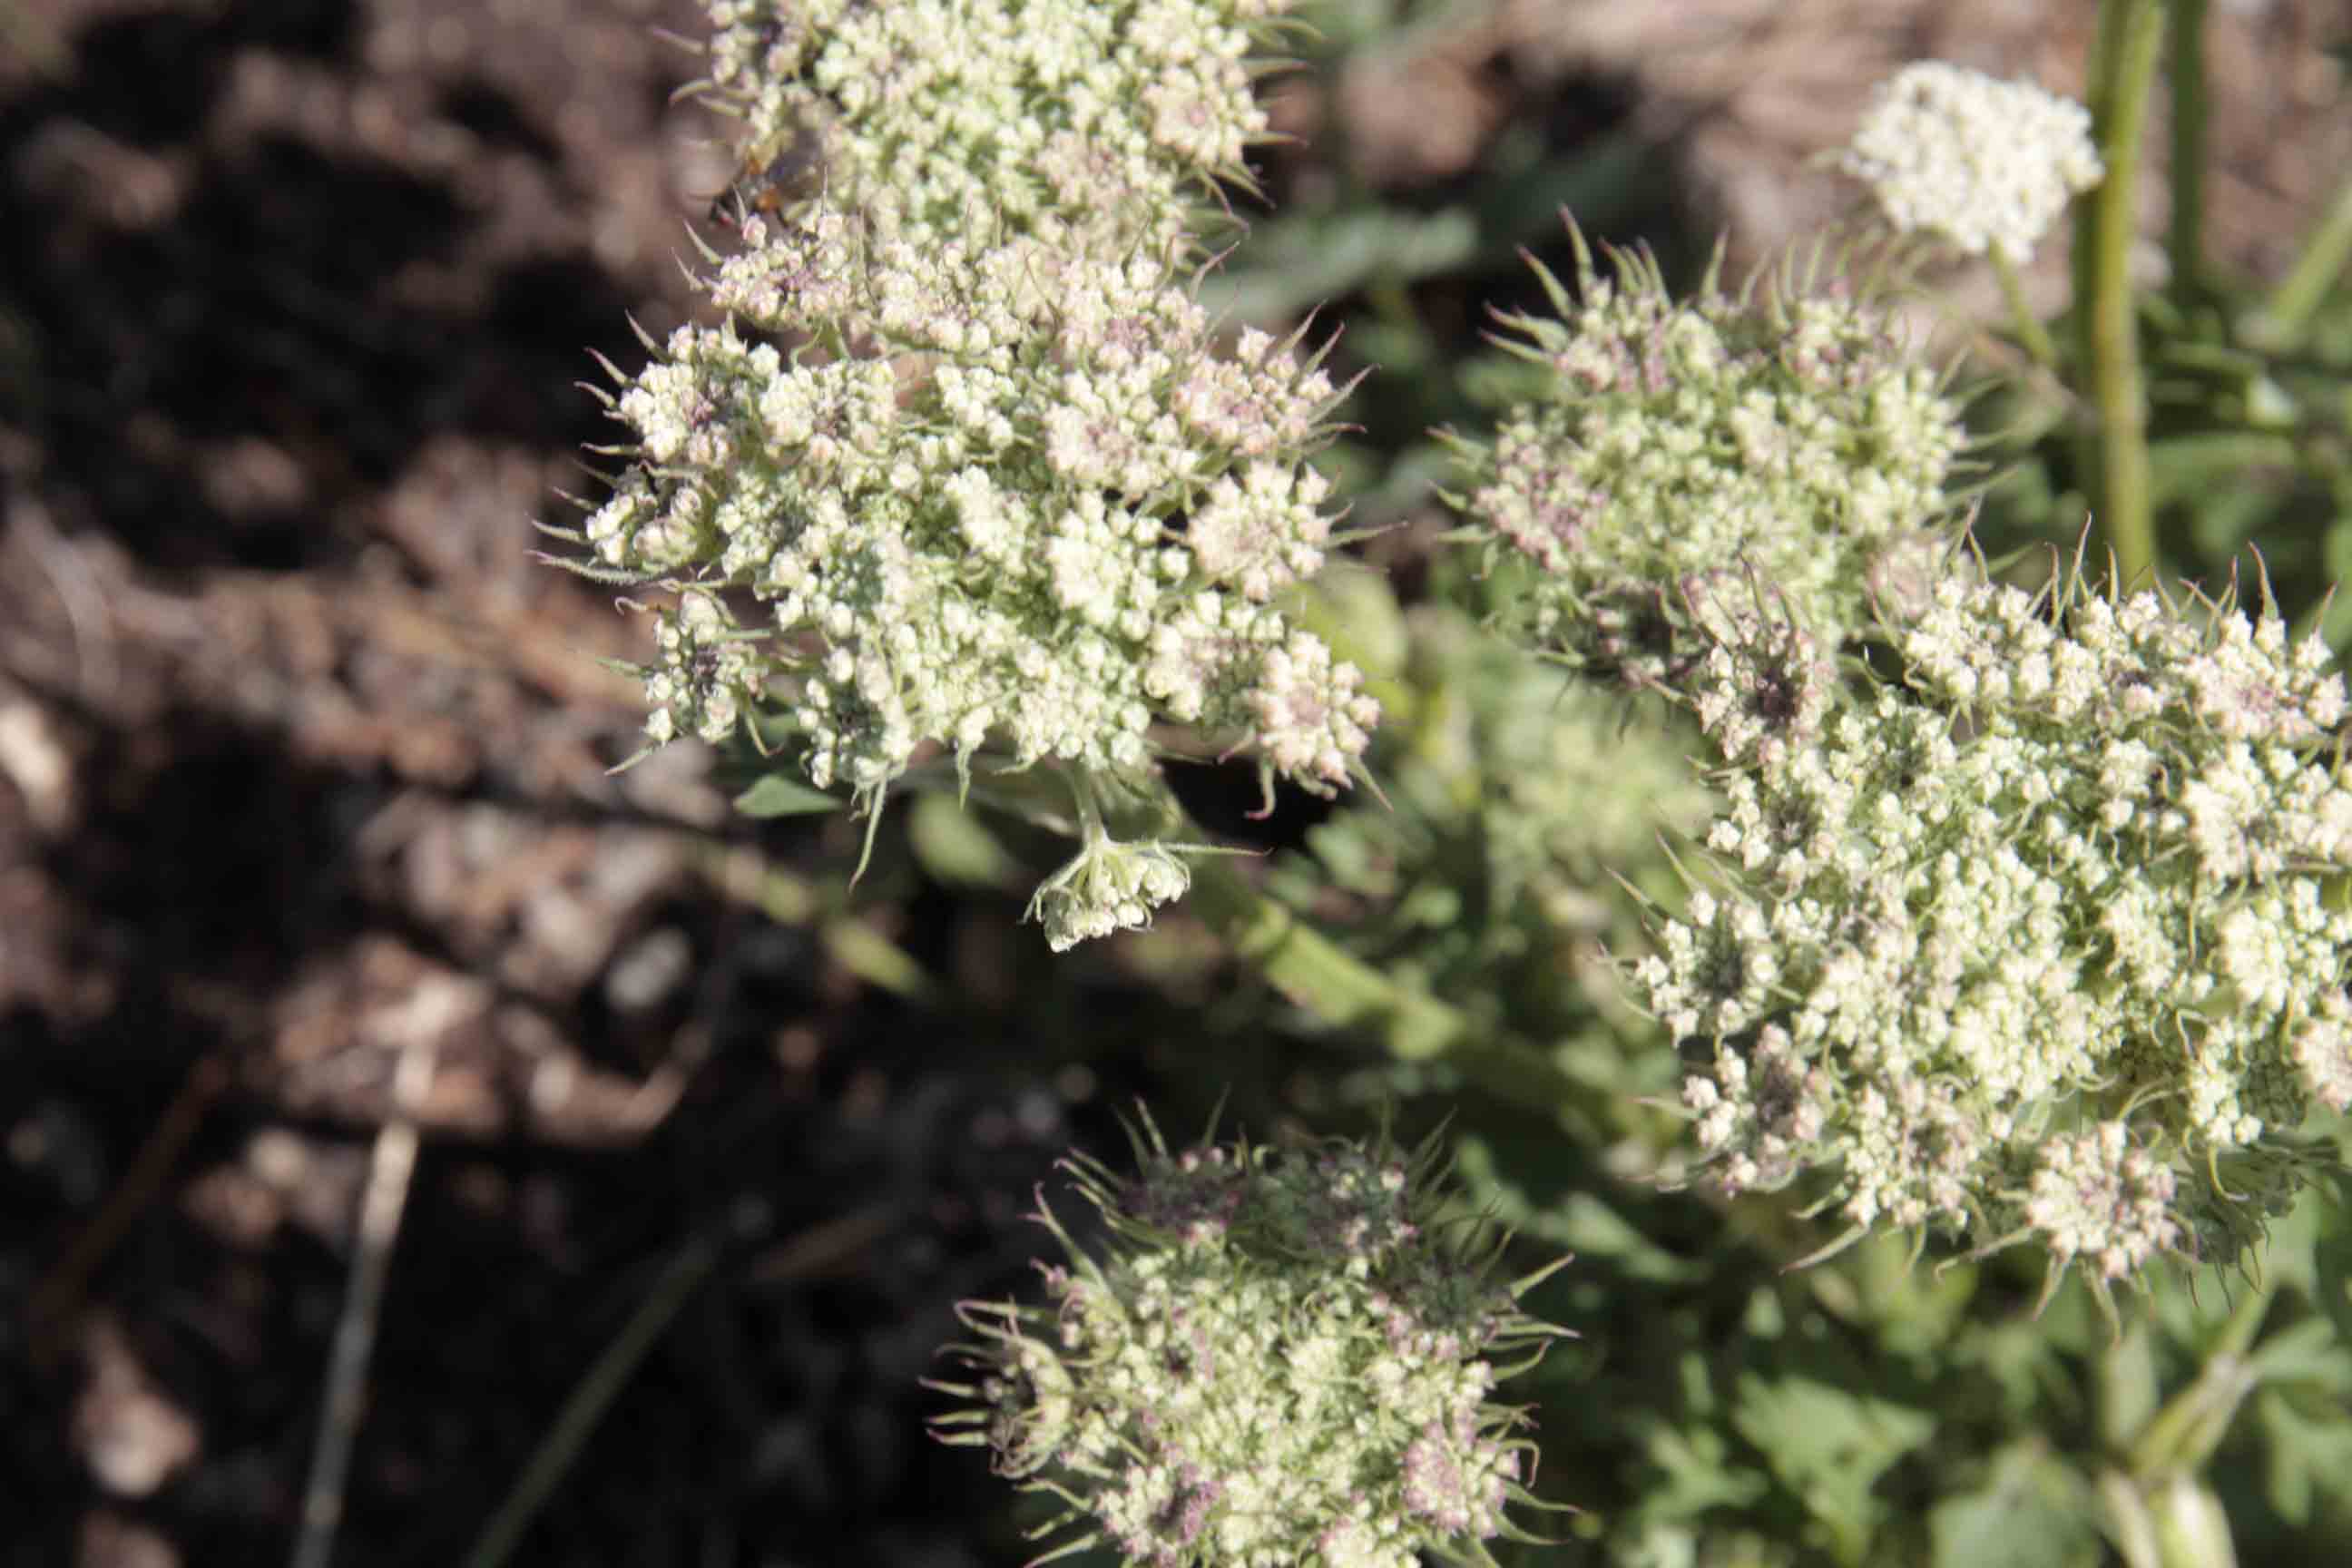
(2309, 1456)
(956, 847)
(776, 795)
(2332, 1269)
(2031, 1511)
(1829, 1446)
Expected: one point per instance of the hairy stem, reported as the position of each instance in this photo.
(1343, 990)
(2030, 329)
(2130, 46)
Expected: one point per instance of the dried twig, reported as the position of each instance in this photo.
(394, 1159)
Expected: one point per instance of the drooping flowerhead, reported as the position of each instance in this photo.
(1982, 164)
(1783, 441)
(1280, 1357)
(2037, 941)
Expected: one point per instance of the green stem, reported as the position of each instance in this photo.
(2180, 1438)
(604, 1380)
(2159, 1512)
(2130, 46)
(2030, 329)
(2298, 294)
(1343, 990)
(2187, 74)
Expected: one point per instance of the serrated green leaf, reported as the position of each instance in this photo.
(2308, 1454)
(2031, 1513)
(1828, 1445)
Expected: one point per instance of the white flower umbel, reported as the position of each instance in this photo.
(1281, 1358)
(973, 522)
(2067, 880)
(1982, 164)
(1095, 124)
(1782, 440)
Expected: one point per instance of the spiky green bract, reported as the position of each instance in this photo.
(2035, 941)
(1785, 436)
(1279, 1358)
(1097, 126)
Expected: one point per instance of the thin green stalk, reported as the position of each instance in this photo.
(2030, 329)
(2160, 1511)
(2187, 76)
(1325, 979)
(810, 1252)
(2182, 1436)
(2130, 47)
(2316, 270)
(603, 1383)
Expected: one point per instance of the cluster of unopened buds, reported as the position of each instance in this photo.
(1278, 1357)
(1784, 435)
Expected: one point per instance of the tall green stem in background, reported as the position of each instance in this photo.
(2298, 294)
(2122, 69)
(2187, 76)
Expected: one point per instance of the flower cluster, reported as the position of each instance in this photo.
(981, 527)
(2037, 941)
(1985, 165)
(1093, 124)
(1781, 439)
(1282, 1358)
(1014, 490)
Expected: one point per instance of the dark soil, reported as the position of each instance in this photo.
(304, 763)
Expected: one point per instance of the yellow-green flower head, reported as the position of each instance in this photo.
(1095, 124)
(1281, 1358)
(1983, 163)
(2038, 940)
(1784, 440)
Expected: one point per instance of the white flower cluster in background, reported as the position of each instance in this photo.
(2037, 941)
(967, 466)
(1093, 124)
(1281, 1359)
(1983, 163)
(1783, 441)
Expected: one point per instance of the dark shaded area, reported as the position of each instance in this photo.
(291, 294)
(291, 302)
